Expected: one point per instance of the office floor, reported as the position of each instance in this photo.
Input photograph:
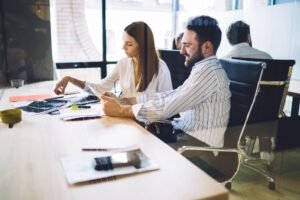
(286, 169)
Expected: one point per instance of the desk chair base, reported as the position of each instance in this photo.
(250, 163)
(239, 151)
(244, 162)
(247, 163)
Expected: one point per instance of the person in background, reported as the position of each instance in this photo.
(238, 35)
(177, 42)
(203, 101)
(142, 71)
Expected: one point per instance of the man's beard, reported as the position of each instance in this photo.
(198, 56)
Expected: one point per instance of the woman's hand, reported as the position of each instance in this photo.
(61, 85)
(110, 94)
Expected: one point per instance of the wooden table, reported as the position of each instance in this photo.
(294, 92)
(31, 151)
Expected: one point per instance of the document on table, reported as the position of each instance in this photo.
(82, 168)
(53, 104)
(94, 111)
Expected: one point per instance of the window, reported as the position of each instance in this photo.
(69, 21)
(120, 13)
(76, 28)
(71, 18)
(284, 1)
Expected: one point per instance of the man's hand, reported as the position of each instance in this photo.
(112, 107)
(122, 101)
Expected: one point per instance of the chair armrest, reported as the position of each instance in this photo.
(212, 149)
(166, 121)
(157, 124)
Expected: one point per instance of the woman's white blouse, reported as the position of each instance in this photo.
(124, 73)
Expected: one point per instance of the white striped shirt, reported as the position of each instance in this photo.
(203, 102)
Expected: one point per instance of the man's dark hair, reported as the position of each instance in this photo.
(207, 29)
(238, 32)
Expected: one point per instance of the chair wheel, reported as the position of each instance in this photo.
(271, 186)
(228, 185)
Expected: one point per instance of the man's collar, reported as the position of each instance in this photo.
(214, 57)
(242, 44)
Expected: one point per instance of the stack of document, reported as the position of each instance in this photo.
(46, 106)
(94, 111)
(82, 168)
(42, 104)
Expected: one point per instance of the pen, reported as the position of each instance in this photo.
(100, 149)
(83, 118)
(92, 149)
(52, 98)
(71, 93)
(84, 106)
(76, 107)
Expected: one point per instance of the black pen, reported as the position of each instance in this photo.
(53, 98)
(81, 106)
(95, 149)
(101, 149)
(83, 118)
(76, 107)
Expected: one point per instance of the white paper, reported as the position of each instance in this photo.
(96, 110)
(79, 168)
(18, 104)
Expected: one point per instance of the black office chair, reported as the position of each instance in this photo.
(274, 86)
(268, 108)
(175, 62)
(244, 78)
(179, 73)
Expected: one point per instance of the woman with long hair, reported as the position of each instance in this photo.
(142, 71)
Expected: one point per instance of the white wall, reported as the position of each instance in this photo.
(274, 29)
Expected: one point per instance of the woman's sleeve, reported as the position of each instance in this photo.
(106, 84)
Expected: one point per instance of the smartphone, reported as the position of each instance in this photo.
(124, 159)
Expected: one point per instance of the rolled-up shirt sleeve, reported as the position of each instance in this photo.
(106, 84)
(195, 90)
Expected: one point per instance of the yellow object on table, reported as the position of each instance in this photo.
(74, 107)
(11, 116)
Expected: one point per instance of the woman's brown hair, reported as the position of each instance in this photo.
(148, 58)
